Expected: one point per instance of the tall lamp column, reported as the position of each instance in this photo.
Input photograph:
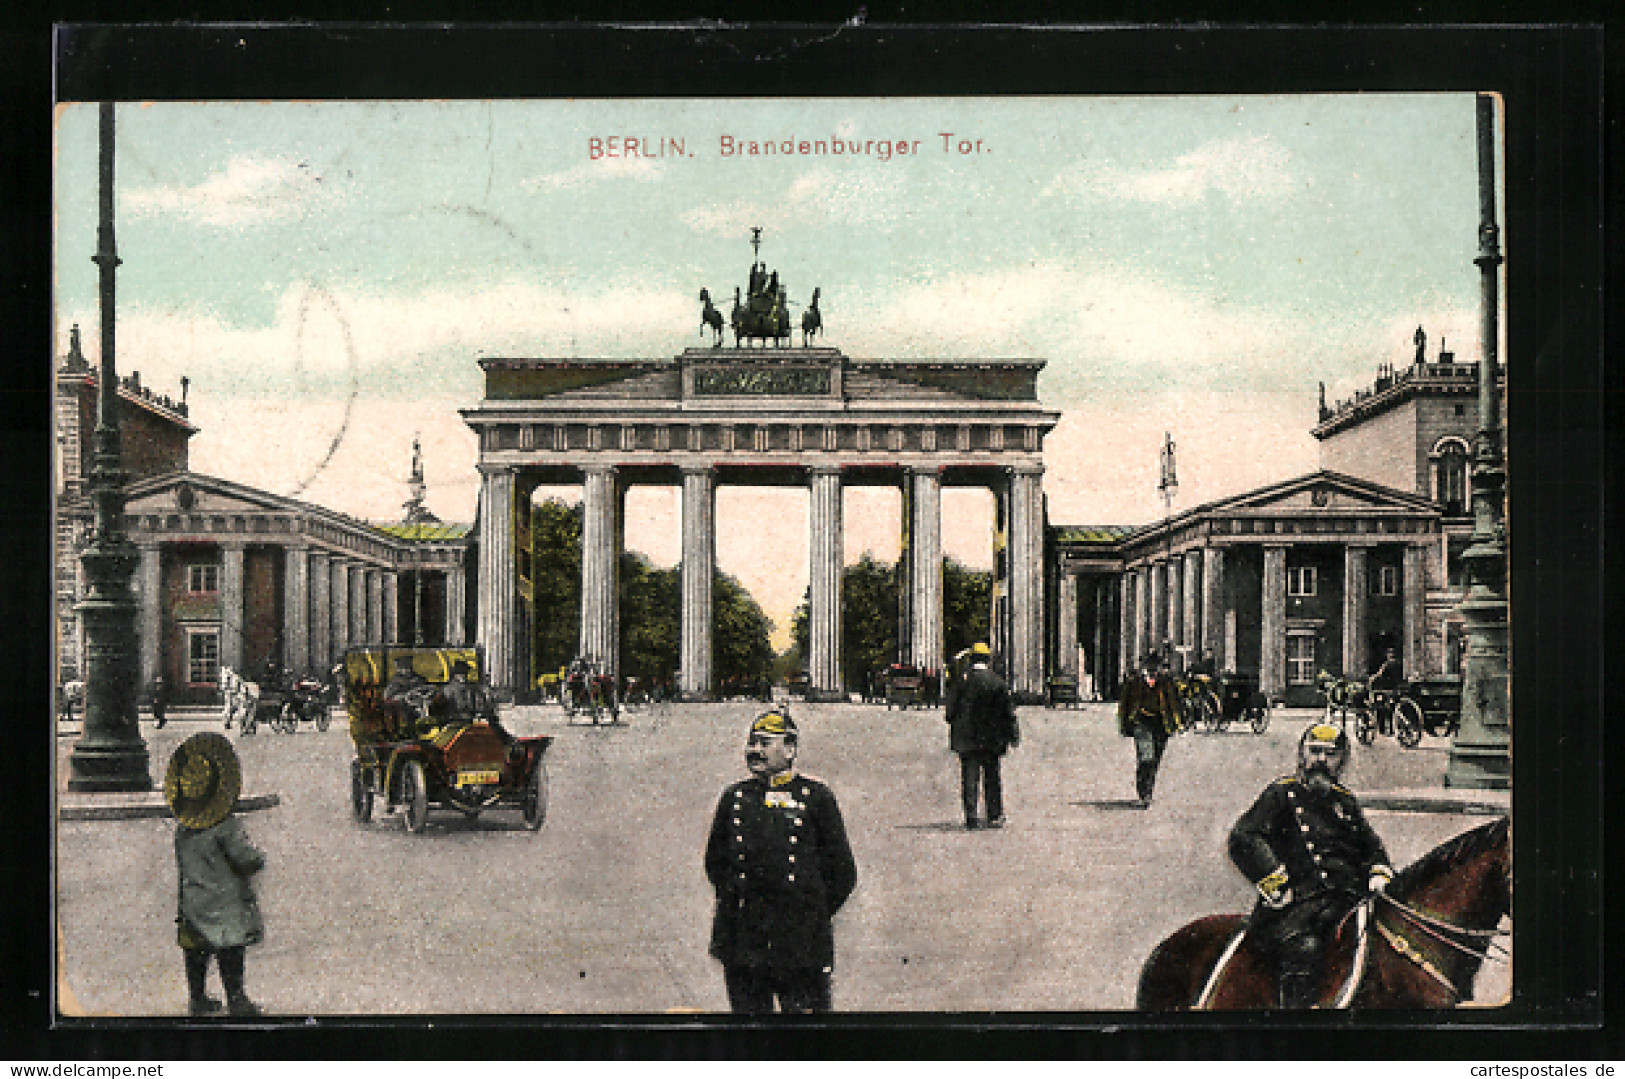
(1480, 755)
(110, 755)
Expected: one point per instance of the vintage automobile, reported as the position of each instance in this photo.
(905, 686)
(1228, 697)
(417, 750)
(1439, 696)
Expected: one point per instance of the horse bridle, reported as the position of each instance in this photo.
(1444, 932)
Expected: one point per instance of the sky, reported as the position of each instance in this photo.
(327, 275)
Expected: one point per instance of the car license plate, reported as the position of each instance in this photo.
(480, 778)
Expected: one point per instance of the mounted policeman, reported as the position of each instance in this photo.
(1310, 852)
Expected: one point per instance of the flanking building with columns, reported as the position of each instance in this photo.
(1318, 572)
(812, 418)
(233, 576)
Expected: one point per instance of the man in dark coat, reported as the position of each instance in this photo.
(1148, 711)
(1310, 852)
(780, 863)
(160, 702)
(467, 701)
(981, 728)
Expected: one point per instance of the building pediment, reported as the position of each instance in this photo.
(1323, 491)
(191, 492)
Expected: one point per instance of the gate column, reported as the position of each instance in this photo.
(599, 621)
(825, 549)
(498, 580)
(699, 568)
(925, 569)
(1026, 583)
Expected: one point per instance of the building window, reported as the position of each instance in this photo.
(203, 577)
(1300, 659)
(1451, 485)
(203, 656)
(1386, 582)
(1300, 580)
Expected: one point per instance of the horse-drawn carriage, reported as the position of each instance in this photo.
(588, 691)
(274, 701)
(420, 744)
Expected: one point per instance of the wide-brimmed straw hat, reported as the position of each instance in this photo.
(203, 780)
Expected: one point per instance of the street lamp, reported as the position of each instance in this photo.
(1480, 753)
(110, 755)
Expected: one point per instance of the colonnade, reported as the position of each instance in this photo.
(329, 602)
(602, 526)
(1180, 599)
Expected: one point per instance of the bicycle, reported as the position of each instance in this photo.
(1388, 711)
(1199, 703)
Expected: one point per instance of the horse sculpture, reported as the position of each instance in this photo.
(711, 317)
(811, 320)
(1419, 944)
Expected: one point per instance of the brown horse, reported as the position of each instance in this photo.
(1419, 944)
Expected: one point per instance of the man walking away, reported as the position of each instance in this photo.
(981, 728)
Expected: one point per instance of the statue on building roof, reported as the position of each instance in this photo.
(1421, 340)
(415, 511)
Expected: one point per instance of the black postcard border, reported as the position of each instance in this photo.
(1560, 422)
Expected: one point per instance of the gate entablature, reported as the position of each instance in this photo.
(800, 402)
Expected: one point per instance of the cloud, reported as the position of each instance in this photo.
(818, 197)
(248, 190)
(1095, 325)
(643, 169)
(323, 340)
(1244, 168)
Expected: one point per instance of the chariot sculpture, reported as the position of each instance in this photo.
(762, 312)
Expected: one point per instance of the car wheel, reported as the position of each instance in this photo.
(1365, 726)
(360, 793)
(415, 796)
(534, 804)
(1408, 724)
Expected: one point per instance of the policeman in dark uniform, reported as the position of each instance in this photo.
(1312, 855)
(781, 866)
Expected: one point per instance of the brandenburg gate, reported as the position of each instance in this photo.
(786, 416)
